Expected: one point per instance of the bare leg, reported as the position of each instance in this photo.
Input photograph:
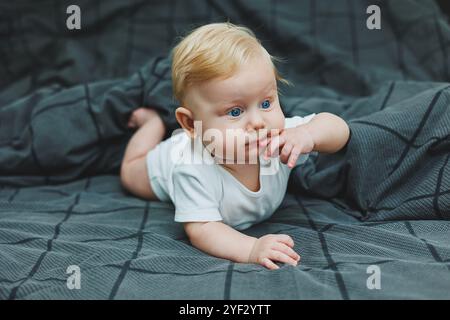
(133, 171)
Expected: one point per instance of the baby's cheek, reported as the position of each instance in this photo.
(226, 148)
(231, 148)
(214, 144)
(275, 119)
(278, 121)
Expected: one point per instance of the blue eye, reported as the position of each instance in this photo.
(235, 112)
(265, 104)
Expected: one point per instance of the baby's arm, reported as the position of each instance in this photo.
(329, 132)
(220, 240)
(325, 132)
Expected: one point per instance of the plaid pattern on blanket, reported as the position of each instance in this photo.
(384, 200)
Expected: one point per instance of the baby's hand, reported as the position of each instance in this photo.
(292, 142)
(276, 247)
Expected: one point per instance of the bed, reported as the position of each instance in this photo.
(370, 222)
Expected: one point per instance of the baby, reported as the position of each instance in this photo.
(225, 81)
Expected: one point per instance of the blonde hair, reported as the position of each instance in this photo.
(214, 51)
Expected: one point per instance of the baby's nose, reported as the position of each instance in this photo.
(256, 120)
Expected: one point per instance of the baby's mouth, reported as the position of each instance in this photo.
(255, 139)
(252, 144)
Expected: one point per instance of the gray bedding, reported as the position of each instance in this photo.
(383, 200)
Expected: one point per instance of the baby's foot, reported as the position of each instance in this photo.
(140, 116)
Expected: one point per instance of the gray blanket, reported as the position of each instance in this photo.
(370, 222)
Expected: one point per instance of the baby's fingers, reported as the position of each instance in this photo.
(266, 262)
(285, 152)
(273, 147)
(282, 257)
(264, 142)
(293, 157)
(284, 238)
(287, 250)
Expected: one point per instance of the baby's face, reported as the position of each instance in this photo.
(234, 110)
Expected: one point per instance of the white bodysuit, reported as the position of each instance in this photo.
(207, 192)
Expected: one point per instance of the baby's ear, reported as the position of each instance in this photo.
(185, 119)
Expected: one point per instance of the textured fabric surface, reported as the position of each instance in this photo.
(384, 200)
